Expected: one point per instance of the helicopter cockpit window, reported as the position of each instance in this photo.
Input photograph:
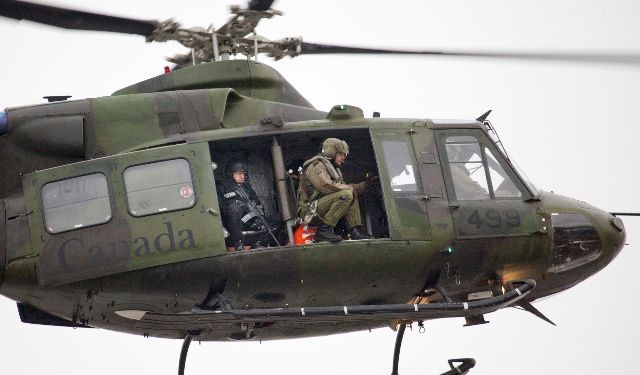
(76, 203)
(502, 184)
(159, 187)
(467, 170)
(400, 166)
(476, 172)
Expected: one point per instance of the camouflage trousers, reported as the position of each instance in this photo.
(335, 206)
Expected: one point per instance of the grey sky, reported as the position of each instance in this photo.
(573, 128)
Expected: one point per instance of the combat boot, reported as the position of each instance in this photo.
(325, 233)
(356, 234)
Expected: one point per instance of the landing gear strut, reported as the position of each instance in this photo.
(396, 351)
(465, 364)
(185, 349)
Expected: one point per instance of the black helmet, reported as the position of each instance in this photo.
(236, 165)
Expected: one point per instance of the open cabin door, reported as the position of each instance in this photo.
(123, 213)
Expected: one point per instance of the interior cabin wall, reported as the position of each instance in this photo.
(299, 147)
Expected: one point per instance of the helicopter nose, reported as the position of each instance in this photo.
(585, 239)
(611, 231)
(614, 236)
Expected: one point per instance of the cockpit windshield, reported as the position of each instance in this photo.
(493, 134)
(530, 185)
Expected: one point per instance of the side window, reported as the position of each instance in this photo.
(159, 187)
(76, 203)
(400, 166)
(467, 169)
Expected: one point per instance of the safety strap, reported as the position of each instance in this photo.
(310, 202)
(335, 174)
(312, 207)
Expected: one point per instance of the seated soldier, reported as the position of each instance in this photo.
(465, 186)
(234, 196)
(325, 197)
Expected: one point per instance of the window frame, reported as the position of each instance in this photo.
(126, 194)
(109, 197)
(394, 201)
(484, 143)
(417, 182)
(481, 152)
(510, 171)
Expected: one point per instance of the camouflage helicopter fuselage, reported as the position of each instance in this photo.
(172, 262)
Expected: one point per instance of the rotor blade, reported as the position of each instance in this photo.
(631, 58)
(625, 213)
(74, 19)
(260, 5)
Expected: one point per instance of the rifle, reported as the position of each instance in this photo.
(256, 211)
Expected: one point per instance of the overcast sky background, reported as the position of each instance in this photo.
(573, 128)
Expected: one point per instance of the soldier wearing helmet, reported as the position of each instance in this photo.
(324, 196)
(234, 194)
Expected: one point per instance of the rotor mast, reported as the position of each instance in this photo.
(234, 37)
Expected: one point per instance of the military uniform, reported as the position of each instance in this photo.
(323, 194)
(233, 198)
(335, 199)
(465, 187)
